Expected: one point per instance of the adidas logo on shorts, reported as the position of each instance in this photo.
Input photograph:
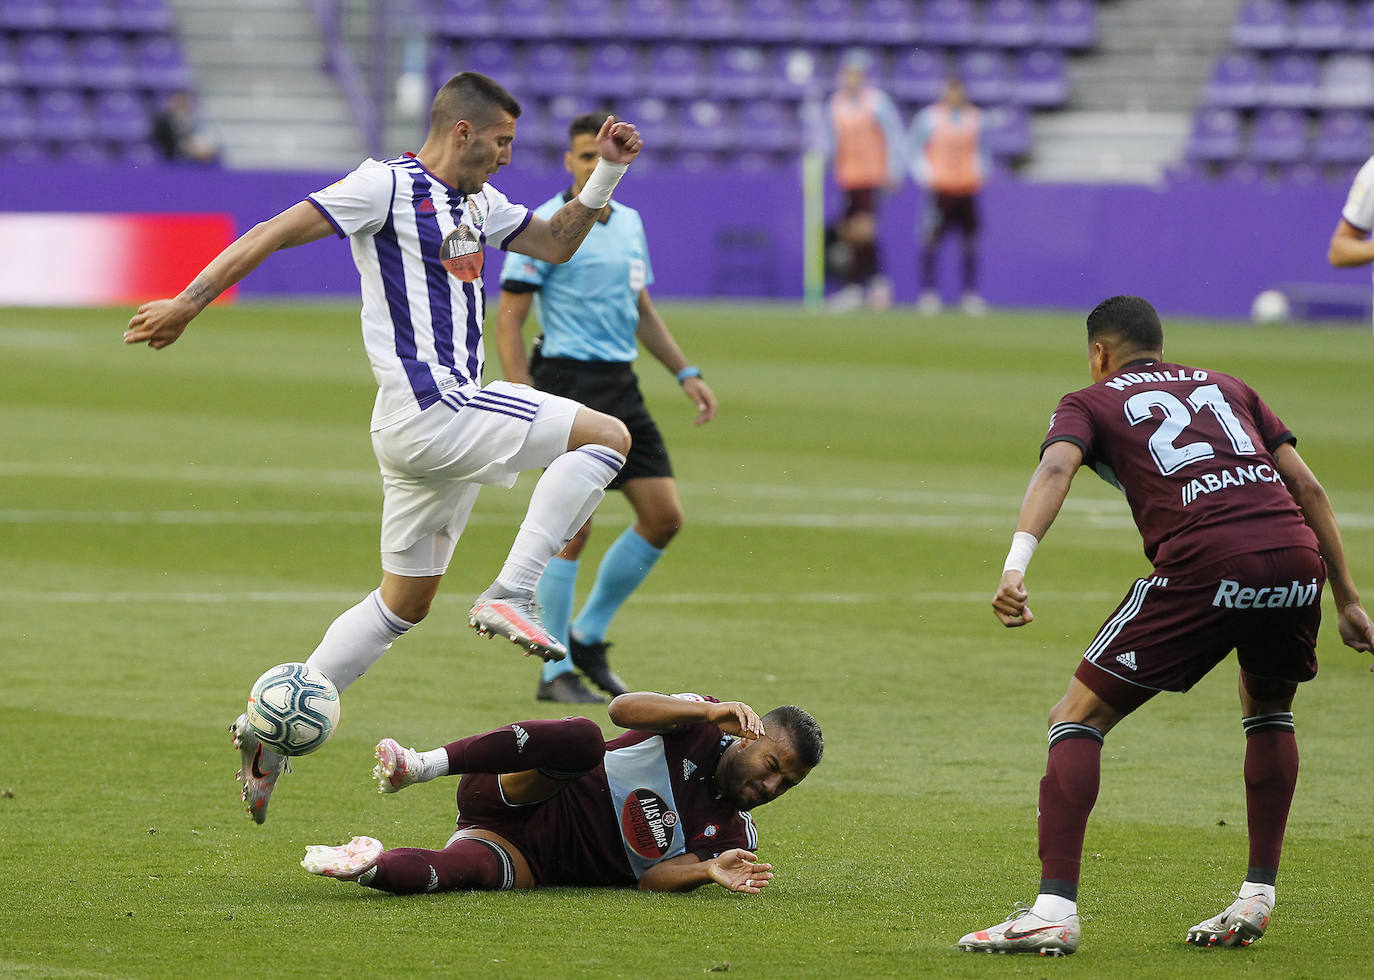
(1128, 659)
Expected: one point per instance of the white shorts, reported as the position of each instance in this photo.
(434, 463)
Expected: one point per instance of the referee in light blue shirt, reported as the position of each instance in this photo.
(594, 312)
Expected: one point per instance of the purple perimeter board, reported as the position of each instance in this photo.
(1191, 248)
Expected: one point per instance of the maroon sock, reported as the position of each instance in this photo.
(562, 746)
(1067, 795)
(467, 864)
(1271, 774)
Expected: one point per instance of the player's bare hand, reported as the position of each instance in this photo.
(736, 718)
(159, 322)
(1009, 604)
(740, 871)
(619, 142)
(1356, 629)
(702, 397)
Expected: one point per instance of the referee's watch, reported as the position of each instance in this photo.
(692, 371)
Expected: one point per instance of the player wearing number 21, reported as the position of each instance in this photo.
(1242, 538)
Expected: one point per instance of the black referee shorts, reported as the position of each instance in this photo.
(610, 387)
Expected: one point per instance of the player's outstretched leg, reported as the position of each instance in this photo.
(1026, 932)
(399, 767)
(346, 862)
(516, 617)
(258, 770)
(1242, 922)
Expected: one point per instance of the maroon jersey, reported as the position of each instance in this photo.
(1193, 452)
(653, 798)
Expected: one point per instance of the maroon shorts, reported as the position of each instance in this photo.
(1178, 624)
(481, 805)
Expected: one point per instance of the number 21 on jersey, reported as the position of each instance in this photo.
(1168, 455)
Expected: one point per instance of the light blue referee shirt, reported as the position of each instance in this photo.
(588, 307)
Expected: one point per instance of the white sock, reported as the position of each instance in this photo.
(357, 639)
(1054, 908)
(563, 499)
(433, 764)
(1251, 888)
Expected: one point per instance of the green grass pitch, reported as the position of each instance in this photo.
(174, 522)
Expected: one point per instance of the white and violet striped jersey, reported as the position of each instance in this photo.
(418, 245)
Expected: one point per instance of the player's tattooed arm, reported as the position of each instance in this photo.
(201, 291)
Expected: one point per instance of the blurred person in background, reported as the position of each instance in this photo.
(864, 144)
(181, 135)
(948, 160)
(1351, 245)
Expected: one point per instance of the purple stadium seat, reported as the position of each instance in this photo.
(143, 16)
(160, 64)
(495, 59)
(740, 72)
(948, 23)
(893, 22)
(1278, 135)
(103, 63)
(588, 19)
(675, 71)
(537, 128)
(85, 153)
(768, 126)
(85, 15)
(1042, 79)
(1361, 37)
(62, 116)
(1322, 25)
(985, 76)
(528, 20)
(918, 75)
(653, 118)
(710, 20)
(1263, 25)
(651, 20)
(121, 117)
(1236, 81)
(9, 67)
(28, 15)
(1216, 136)
(16, 117)
(613, 71)
(770, 21)
(1343, 138)
(829, 22)
(1007, 132)
(1293, 80)
(1347, 82)
(1069, 24)
(465, 19)
(705, 126)
(1010, 24)
(550, 69)
(44, 61)
(799, 72)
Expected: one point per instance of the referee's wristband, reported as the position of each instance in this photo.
(688, 372)
(1023, 545)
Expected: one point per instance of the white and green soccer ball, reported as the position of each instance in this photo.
(293, 708)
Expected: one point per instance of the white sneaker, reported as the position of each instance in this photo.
(879, 294)
(258, 769)
(1025, 932)
(347, 862)
(972, 304)
(929, 303)
(517, 619)
(1241, 924)
(396, 767)
(845, 300)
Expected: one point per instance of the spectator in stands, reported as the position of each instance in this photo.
(948, 160)
(865, 147)
(181, 135)
(1351, 245)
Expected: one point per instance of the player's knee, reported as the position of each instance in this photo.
(582, 740)
(661, 528)
(597, 428)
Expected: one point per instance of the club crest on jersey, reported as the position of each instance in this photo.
(461, 254)
(475, 213)
(647, 824)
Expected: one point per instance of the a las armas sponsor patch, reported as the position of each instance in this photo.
(647, 824)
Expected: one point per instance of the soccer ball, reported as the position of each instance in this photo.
(293, 708)
(1270, 306)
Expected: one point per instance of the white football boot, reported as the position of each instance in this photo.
(258, 770)
(1241, 924)
(396, 767)
(1025, 932)
(347, 862)
(517, 619)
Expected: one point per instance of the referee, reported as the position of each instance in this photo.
(593, 311)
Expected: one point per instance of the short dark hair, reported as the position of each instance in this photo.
(802, 729)
(1130, 319)
(471, 96)
(587, 124)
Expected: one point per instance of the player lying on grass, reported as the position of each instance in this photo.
(664, 807)
(1242, 538)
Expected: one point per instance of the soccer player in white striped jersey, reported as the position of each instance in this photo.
(418, 225)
